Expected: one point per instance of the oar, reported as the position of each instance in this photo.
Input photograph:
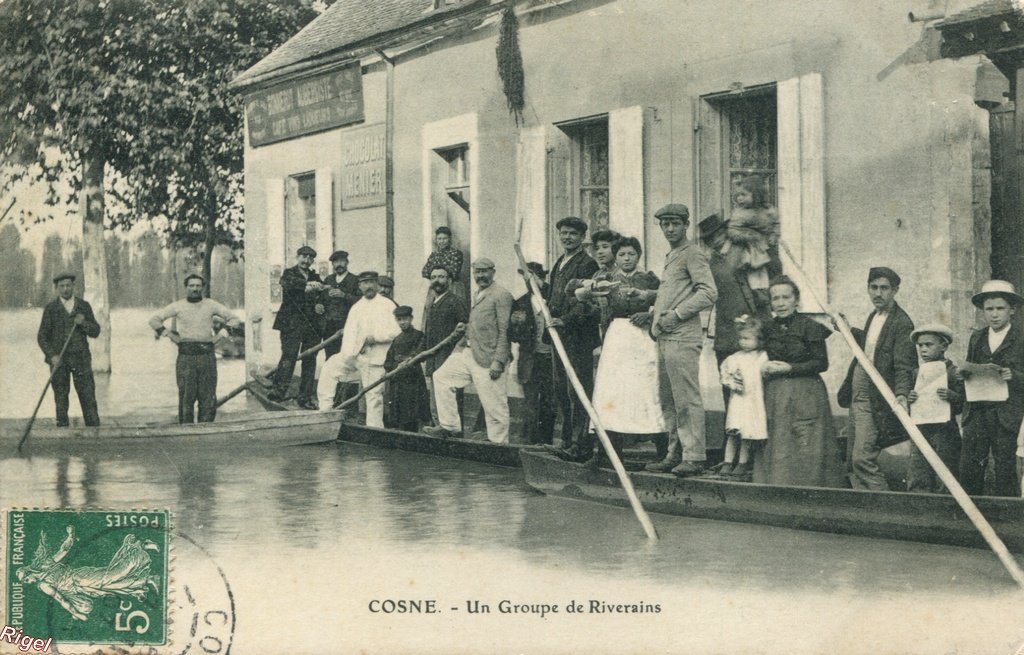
(964, 500)
(302, 355)
(412, 361)
(49, 381)
(556, 341)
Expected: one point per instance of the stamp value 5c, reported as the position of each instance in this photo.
(87, 576)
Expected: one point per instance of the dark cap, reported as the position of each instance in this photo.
(402, 311)
(338, 254)
(710, 225)
(575, 222)
(385, 281)
(306, 250)
(368, 276)
(64, 275)
(886, 272)
(194, 276)
(673, 210)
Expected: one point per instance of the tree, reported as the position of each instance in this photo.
(127, 98)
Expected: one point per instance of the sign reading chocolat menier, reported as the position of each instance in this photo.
(305, 106)
(363, 158)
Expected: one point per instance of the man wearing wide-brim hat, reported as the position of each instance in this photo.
(992, 427)
(69, 319)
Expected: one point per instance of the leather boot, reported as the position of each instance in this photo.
(671, 460)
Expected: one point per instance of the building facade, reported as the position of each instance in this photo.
(876, 151)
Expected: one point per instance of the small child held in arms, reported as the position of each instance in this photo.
(931, 341)
(754, 227)
(745, 418)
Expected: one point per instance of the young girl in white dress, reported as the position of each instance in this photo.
(745, 418)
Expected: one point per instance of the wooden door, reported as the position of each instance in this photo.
(1007, 196)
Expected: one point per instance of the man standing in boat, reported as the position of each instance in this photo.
(298, 321)
(64, 314)
(886, 341)
(443, 313)
(369, 331)
(196, 367)
(340, 292)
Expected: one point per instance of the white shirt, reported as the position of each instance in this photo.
(370, 320)
(995, 339)
(873, 331)
(69, 304)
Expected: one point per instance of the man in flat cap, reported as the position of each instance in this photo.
(579, 329)
(369, 331)
(481, 359)
(196, 366)
(992, 427)
(887, 343)
(340, 292)
(387, 288)
(65, 315)
(298, 320)
(687, 288)
(406, 405)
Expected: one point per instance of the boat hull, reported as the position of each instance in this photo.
(929, 518)
(251, 431)
(465, 449)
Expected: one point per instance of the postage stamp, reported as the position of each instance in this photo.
(86, 577)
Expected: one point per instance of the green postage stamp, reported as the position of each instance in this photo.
(94, 577)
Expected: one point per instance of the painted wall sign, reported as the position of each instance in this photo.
(364, 152)
(305, 106)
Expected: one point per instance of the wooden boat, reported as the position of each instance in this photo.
(128, 434)
(466, 449)
(929, 518)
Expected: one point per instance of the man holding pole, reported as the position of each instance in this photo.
(298, 321)
(687, 288)
(67, 321)
(196, 366)
(888, 345)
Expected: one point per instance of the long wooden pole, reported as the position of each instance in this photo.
(947, 477)
(556, 341)
(302, 355)
(401, 367)
(49, 381)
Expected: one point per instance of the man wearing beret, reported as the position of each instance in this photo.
(65, 315)
(687, 288)
(196, 366)
(578, 328)
(481, 359)
(887, 343)
(298, 321)
(369, 331)
(992, 427)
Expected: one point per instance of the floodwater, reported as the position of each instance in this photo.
(308, 537)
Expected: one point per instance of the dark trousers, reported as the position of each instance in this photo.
(196, 374)
(335, 347)
(983, 433)
(538, 394)
(574, 417)
(945, 439)
(292, 343)
(79, 366)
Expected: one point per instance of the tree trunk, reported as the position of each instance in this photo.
(94, 256)
(210, 242)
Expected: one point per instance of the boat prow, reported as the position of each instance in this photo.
(465, 449)
(929, 518)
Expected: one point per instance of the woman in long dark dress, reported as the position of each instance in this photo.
(801, 449)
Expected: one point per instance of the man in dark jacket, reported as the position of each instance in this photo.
(440, 317)
(340, 292)
(298, 321)
(534, 368)
(886, 341)
(63, 316)
(578, 328)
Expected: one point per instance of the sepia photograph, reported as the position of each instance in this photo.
(526, 327)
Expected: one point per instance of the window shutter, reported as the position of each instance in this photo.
(531, 197)
(324, 218)
(559, 181)
(626, 171)
(274, 205)
(801, 145)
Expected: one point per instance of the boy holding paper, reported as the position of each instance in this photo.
(937, 398)
(994, 376)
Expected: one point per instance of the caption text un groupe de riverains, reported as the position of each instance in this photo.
(542, 610)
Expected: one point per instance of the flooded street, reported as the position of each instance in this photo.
(307, 537)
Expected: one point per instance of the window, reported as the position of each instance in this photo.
(589, 171)
(300, 213)
(748, 138)
(456, 182)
